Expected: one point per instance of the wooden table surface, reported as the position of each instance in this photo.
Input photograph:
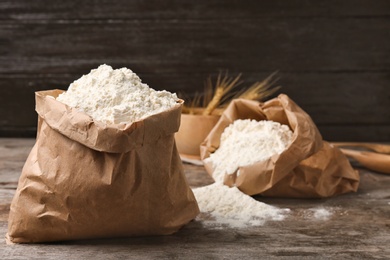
(358, 228)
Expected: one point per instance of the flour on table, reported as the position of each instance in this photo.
(116, 96)
(230, 207)
(320, 213)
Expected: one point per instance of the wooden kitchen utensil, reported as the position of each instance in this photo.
(373, 161)
(379, 148)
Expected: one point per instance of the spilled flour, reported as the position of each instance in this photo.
(320, 214)
(242, 143)
(230, 207)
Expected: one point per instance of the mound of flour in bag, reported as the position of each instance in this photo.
(116, 96)
(242, 143)
(246, 142)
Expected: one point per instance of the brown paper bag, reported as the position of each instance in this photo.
(84, 179)
(308, 168)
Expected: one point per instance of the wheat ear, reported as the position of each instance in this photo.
(223, 86)
(260, 90)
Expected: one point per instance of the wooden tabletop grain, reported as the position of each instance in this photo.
(358, 227)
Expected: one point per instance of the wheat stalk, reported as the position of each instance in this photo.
(259, 90)
(220, 94)
(222, 88)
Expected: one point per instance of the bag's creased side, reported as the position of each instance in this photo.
(306, 150)
(326, 173)
(130, 186)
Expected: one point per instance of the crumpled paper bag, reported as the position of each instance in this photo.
(308, 168)
(84, 179)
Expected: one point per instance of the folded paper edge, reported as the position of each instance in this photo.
(68, 121)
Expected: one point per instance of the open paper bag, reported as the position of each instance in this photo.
(84, 179)
(308, 168)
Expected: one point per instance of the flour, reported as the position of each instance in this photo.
(243, 143)
(230, 207)
(116, 96)
(246, 142)
(321, 213)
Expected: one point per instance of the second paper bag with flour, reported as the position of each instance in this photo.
(308, 168)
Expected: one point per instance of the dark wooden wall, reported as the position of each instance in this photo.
(333, 57)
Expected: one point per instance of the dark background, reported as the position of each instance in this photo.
(333, 57)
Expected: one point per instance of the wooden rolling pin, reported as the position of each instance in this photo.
(379, 148)
(374, 161)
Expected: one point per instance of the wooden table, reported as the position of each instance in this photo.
(359, 227)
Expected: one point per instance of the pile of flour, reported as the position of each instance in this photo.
(116, 96)
(243, 143)
(319, 214)
(230, 207)
(246, 142)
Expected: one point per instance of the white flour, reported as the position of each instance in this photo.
(242, 143)
(246, 142)
(116, 96)
(231, 207)
(320, 213)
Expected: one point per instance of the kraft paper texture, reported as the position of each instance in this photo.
(308, 168)
(84, 179)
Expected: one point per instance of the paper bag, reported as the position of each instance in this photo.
(84, 179)
(308, 168)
